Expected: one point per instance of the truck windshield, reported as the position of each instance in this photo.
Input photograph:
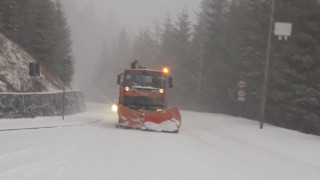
(145, 79)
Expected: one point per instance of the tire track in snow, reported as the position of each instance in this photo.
(55, 160)
(209, 144)
(255, 147)
(267, 151)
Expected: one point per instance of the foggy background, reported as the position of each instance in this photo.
(208, 52)
(95, 23)
(136, 14)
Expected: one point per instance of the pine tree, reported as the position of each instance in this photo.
(42, 34)
(184, 71)
(197, 49)
(234, 50)
(122, 50)
(157, 32)
(183, 33)
(2, 5)
(86, 49)
(104, 79)
(168, 42)
(27, 16)
(215, 88)
(1, 24)
(146, 49)
(62, 43)
(10, 18)
(115, 60)
(246, 40)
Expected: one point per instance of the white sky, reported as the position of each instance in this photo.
(137, 14)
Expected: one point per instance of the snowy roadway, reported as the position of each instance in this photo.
(87, 146)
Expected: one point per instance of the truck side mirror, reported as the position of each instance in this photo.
(170, 82)
(119, 79)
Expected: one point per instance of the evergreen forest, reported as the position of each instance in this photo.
(228, 43)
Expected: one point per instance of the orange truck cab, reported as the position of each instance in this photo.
(142, 88)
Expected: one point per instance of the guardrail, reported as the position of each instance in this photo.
(30, 105)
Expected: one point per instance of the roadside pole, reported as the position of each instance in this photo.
(64, 63)
(266, 71)
(63, 96)
(283, 30)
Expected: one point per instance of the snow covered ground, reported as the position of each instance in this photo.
(87, 146)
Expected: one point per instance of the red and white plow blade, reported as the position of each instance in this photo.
(168, 120)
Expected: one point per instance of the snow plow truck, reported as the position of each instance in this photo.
(143, 101)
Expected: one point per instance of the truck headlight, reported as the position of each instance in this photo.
(114, 108)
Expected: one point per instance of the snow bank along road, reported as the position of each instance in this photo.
(208, 146)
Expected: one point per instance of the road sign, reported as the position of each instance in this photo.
(65, 64)
(241, 93)
(242, 84)
(283, 30)
(34, 69)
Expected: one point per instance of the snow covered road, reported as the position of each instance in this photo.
(208, 146)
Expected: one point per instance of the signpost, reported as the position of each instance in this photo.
(280, 30)
(64, 64)
(241, 94)
(241, 90)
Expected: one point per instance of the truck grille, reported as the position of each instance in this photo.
(143, 101)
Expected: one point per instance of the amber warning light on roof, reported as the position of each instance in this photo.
(165, 70)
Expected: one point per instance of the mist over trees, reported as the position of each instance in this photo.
(40, 28)
(227, 44)
(294, 82)
(113, 59)
(235, 49)
(207, 58)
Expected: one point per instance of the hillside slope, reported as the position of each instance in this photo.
(14, 71)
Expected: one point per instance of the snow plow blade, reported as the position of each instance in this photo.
(168, 120)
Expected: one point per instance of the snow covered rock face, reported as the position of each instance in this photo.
(14, 71)
(29, 105)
